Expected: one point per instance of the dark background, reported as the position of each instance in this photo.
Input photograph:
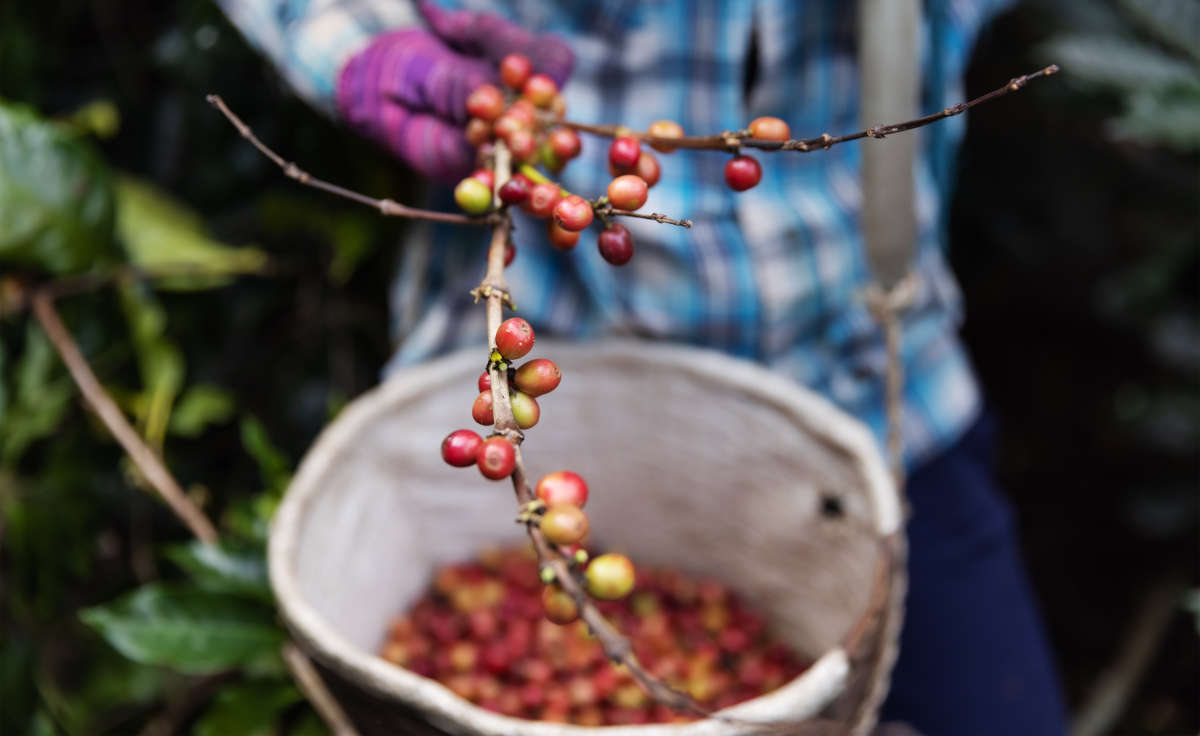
(1075, 238)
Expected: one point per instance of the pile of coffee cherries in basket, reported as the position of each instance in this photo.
(482, 630)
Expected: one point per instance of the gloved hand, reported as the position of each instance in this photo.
(408, 88)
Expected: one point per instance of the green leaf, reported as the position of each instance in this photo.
(104, 683)
(223, 568)
(187, 629)
(247, 709)
(56, 198)
(272, 465)
(309, 724)
(43, 393)
(200, 406)
(162, 235)
(1121, 63)
(1159, 119)
(160, 361)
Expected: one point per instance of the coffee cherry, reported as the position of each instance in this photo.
(524, 111)
(510, 252)
(481, 410)
(549, 159)
(487, 176)
(537, 377)
(742, 172)
(770, 129)
(496, 458)
(558, 106)
(558, 605)
(609, 577)
(478, 131)
(615, 244)
(540, 90)
(627, 192)
(486, 102)
(473, 196)
(515, 70)
(522, 145)
(514, 191)
(573, 213)
(562, 487)
(525, 409)
(564, 524)
(461, 447)
(506, 125)
(542, 198)
(623, 153)
(665, 129)
(561, 238)
(565, 143)
(647, 168)
(514, 338)
(485, 381)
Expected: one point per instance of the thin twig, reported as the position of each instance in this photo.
(316, 692)
(146, 460)
(607, 210)
(734, 140)
(384, 206)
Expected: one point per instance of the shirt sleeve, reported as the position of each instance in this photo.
(309, 41)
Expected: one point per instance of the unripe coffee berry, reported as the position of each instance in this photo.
(623, 153)
(609, 577)
(665, 129)
(558, 605)
(770, 129)
(497, 458)
(540, 90)
(742, 172)
(525, 409)
(627, 192)
(560, 237)
(514, 338)
(542, 198)
(481, 410)
(615, 244)
(478, 131)
(486, 102)
(573, 213)
(461, 447)
(564, 524)
(473, 196)
(562, 487)
(515, 190)
(515, 70)
(537, 377)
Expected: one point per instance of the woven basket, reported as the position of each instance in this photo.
(695, 460)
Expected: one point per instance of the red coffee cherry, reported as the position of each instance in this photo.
(609, 577)
(525, 409)
(478, 131)
(522, 145)
(481, 410)
(564, 524)
(559, 606)
(524, 111)
(627, 192)
(515, 190)
(665, 129)
(510, 252)
(623, 153)
(615, 244)
(742, 172)
(562, 487)
(542, 198)
(487, 176)
(537, 377)
(514, 338)
(484, 382)
(565, 143)
(506, 125)
(486, 102)
(497, 458)
(461, 447)
(573, 213)
(770, 129)
(515, 70)
(560, 237)
(473, 196)
(647, 168)
(540, 90)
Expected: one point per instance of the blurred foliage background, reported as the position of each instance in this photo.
(1074, 232)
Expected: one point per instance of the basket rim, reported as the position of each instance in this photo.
(820, 683)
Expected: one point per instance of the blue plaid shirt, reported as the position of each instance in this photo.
(774, 274)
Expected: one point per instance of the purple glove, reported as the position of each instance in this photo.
(408, 89)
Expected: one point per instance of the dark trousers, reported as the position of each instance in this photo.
(974, 660)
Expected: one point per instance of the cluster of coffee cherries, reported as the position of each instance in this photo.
(495, 456)
(480, 630)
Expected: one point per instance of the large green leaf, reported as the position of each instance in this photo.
(43, 393)
(223, 568)
(56, 198)
(200, 406)
(187, 629)
(162, 235)
(247, 709)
